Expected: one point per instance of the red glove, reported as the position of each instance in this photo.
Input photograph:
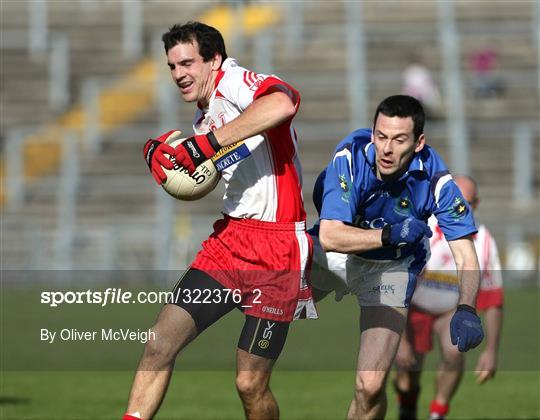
(195, 150)
(153, 154)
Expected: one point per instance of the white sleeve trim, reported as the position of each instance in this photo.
(347, 154)
(440, 184)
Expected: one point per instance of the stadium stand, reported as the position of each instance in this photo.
(116, 209)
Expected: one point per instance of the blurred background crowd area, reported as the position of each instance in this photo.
(85, 83)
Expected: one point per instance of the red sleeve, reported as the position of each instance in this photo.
(489, 298)
(272, 84)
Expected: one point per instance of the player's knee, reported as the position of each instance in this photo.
(370, 385)
(160, 351)
(453, 360)
(251, 384)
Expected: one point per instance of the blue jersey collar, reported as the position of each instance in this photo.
(417, 164)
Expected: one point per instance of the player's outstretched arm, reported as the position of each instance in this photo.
(465, 327)
(468, 269)
(336, 236)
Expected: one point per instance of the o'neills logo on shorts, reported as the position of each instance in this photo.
(384, 289)
(270, 310)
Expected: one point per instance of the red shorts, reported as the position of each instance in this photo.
(420, 330)
(263, 262)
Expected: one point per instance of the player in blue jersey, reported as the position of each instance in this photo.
(374, 199)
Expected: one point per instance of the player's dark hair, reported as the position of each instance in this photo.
(403, 106)
(208, 38)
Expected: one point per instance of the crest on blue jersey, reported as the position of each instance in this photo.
(459, 209)
(343, 183)
(403, 206)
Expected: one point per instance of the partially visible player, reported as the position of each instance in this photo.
(375, 197)
(432, 306)
(256, 257)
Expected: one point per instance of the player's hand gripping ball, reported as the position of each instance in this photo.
(175, 179)
(154, 155)
(193, 151)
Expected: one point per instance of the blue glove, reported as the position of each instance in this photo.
(408, 232)
(466, 328)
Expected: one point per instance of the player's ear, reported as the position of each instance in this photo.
(217, 61)
(420, 143)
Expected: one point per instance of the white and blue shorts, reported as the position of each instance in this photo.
(373, 282)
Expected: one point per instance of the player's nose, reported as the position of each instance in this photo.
(177, 74)
(387, 149)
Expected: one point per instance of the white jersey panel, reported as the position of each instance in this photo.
(247, 167)
(437, 290)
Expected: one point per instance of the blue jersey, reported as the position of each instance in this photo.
(348, 190)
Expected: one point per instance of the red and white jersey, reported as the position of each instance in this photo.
(437, 290)
(262, 174)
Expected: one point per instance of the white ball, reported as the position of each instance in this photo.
(187, 187)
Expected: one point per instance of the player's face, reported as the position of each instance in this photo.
(395, 145)
(194, 77)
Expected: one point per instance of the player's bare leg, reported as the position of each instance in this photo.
(407, 379)
(252, 382)
(452, 364)
(408, 365)
(381, 329)
(174, 329)
(407, 386)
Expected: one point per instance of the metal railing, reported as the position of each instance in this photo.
(38, 28)
(357, 86)
(523, 165)
(458, 136)
(132, 28)
(66, 215)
